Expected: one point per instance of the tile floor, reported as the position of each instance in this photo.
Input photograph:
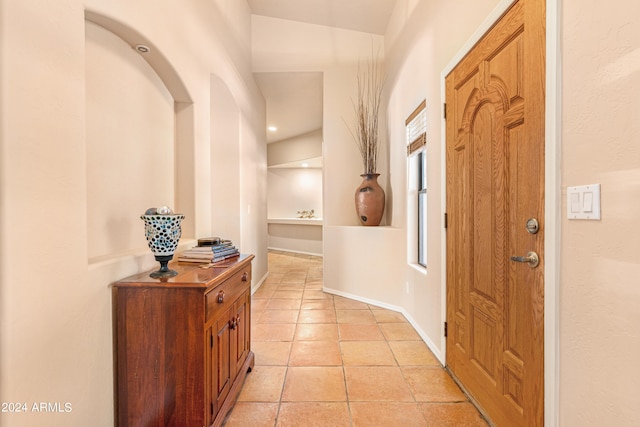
(324, 360)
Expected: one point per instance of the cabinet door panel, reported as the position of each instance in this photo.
(210, 375)
(224, 366)
(242, 330)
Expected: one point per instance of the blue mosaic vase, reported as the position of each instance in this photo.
(163, 233)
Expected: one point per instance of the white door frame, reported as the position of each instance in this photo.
(553, 193)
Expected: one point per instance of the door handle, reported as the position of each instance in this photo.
(532, 259)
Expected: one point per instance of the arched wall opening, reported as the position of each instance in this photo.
(139, 138)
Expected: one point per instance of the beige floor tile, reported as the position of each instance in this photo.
(413, 353)
(379, 383)
(263, 292)
(387, 414)
(274, 276)
(314, 384)
(430, 384)
(287, 294)
(388, 316)
(367, 353)
(298, 268)
(263, 384)
(342, 303)
(255, 315)
(314, 414)
(362, 332)
(462, 414)
(315, 295)
(259, 304)
(399, 332)
(355, 316)
(279, 316)
(295, 277)
(275, 273)
(316, 332)
(282, 304)
(314, 282)
(291, 287)
(316, 270)
(277, 270)
(269, 286)
(273, 332)
(326, 304)
(270, 353)
(315, 353)
(317, 316)
(360, 339)
(254, 414)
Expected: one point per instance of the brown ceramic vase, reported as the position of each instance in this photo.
(370, 200)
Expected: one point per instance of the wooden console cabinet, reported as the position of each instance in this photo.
(182, 345)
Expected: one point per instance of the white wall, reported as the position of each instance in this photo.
(294, 189)
(290, 190)
(599, 289)
(49, 317)
(301, 237)
(55, 306)
(225, 156)
(301, 147)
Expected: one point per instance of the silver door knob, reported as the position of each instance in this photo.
(532, 259)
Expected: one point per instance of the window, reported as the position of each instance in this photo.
(416, 128)
(422, 208)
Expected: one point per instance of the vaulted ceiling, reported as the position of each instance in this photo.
(369, 16)
(294, 100)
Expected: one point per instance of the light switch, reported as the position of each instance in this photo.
(587, 202)
(575, 203)
(583, 202)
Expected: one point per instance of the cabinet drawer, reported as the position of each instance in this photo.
(223, 296)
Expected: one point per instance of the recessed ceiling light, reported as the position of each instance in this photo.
(272, 128)
(305, 165)
(142, 48)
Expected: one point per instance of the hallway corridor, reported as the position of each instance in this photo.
(324, 360)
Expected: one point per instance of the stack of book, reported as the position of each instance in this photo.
(217, 252)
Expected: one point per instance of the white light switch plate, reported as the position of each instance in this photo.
(583, 202)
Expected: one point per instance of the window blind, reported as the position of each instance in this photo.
(416, 125)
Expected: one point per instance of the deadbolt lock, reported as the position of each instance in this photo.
(532, 226)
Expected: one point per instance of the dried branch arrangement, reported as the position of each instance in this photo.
(370, 82)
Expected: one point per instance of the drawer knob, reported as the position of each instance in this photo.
(220, 297)
(245, 276)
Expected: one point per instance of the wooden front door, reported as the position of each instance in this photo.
(495, 184)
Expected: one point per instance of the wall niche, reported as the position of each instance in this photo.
(294, 159)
